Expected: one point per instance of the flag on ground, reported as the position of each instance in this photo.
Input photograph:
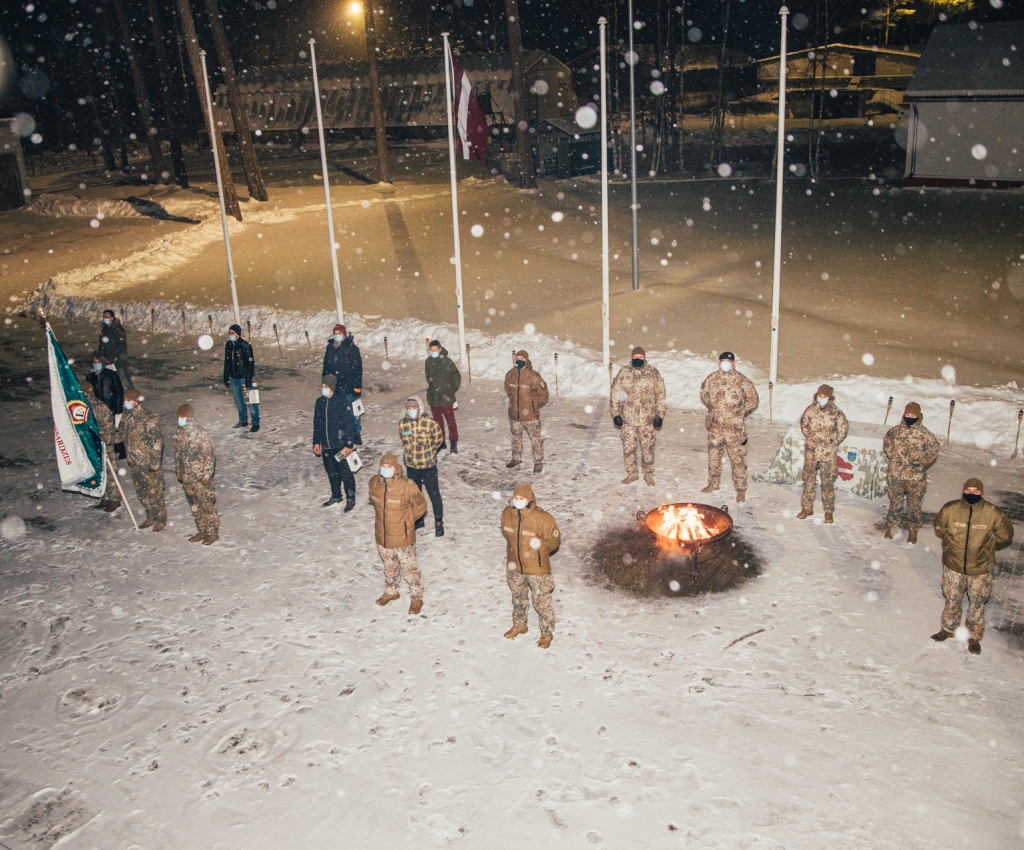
(469, 117)
(75, 432)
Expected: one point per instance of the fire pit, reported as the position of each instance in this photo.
(686, 526)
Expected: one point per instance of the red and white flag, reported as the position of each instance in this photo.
(469, 117)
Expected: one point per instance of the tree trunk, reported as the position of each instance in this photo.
(188, 27)
(682, 79)
(243, 134)
(527, 179)
(102, 133)
(156, 156)
(170, 103)
(719, 130)
(378, 107)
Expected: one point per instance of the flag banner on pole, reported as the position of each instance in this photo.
(75, 432)
(469, 117)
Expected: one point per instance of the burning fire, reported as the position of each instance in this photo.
(682, 522)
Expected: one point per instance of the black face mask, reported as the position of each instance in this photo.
(910, 420)
(520, 364)
(972, 498)
(637, 363)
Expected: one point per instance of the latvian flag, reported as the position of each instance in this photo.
(469, 117)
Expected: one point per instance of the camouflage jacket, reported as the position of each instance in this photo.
(729, 397)
(193, 454)
(910, 451)
(143, 441)
(109, 433)
(638, 395)
(824, 429)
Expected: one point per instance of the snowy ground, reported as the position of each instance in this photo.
(157, 694)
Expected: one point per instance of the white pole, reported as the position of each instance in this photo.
(773, 371)
(455, 200)
(327, 185)
(632, 151)
(220, 188)
(602, 24)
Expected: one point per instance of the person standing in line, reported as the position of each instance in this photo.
(971, 529)
(443, 382)
(421, 439)
(144, 444)
(110, 436)
(107, 383)
(333, 436)
(638, 409)
(113, 346)
(730, 398)
(527, 393)
(342, 359)
(397, 504)
(911, 449)
(824, 427)
(194, 466)
(531, 535)
(239, 371)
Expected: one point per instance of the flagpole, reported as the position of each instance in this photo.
(632, 152)
(220, 187)
(117, 483)
(327, 184)
(602, 24)
(773, 369)
(455, 200)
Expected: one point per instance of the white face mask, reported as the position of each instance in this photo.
(182, 421)
(129, 405)
(412, 412)
(519, 503)
(435, 353)
(387, 472)
(822, 401)
(97, 367)
(233, 338)
(106, 321)
(325, 392)
(338, 337)
(725, 365)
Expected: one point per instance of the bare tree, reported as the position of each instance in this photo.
(527, 179)
(723, 55)
(378, 107)
(170, 105)
(243, 133)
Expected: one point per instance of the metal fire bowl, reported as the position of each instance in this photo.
(717, 519)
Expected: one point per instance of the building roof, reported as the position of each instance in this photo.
(971, 60)
(905, 53)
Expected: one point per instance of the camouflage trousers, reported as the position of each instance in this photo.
(828, 469)
(111, 494)
(913, 490)
(399, 564)
(531, 428)
(736, 446)
(978, 589)
(149, 487)
(632, 436)
(540, 588)
(203, 501)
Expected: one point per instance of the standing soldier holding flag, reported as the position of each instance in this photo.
(144, 443)
(110, 435)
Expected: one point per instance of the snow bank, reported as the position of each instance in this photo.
(984, 416)
(60, 205)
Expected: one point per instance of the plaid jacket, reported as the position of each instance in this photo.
(421, 438)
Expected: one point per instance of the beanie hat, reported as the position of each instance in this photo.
(133, 395)
(88, 389)
(329, 381)
(388, 459)
(974, 482)
(825, 389)
(340, 329)
(186, 411)
(522, 355)
(726, 355)
(913, 410)
(236, 328)
(638, 350)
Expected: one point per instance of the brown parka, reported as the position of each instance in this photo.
(522, 527)
(971, 534)
(397, 504)
(526, 391)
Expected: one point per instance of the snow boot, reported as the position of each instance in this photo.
(649, 479)
(332, 501)
(941, 635)
(420, 523)
(515, 631)
(439, 528)
(197, 538)
(974, 647)
(112, 506)
(629, 479)
(444, 445)
(415, 606)
(386, 598)
(912, 536)
(710, 488)
(240, 425)
(741, 496)
(145, 524)
(828, 517)
(455, 447)
(890, 532)
(254, 429)
(210, 539)
(350, 502)
(538, 467)
(512, 463)
(159, 526)
(545, 641)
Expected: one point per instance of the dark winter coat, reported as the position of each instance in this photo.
(114, 343)
(333, 423)
(239, 361)
(108, 387)
(971, 534)
(443, 380)
(344, 362)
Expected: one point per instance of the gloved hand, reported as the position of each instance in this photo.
(618, 421)
(657, 421)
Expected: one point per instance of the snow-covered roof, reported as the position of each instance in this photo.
(971, 60)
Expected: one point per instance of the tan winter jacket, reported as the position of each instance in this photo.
(638, 395)
(729, 397)
(526, 392)
(910, 451)
(397, 504)
(971, 534)
(532, 535)
(824, 429)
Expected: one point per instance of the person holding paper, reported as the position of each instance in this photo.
(333, 434)
(422, 437)
(239, 371)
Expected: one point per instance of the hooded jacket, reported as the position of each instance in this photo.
(911, 450)
(824, 428)
(531, 533)
(443, 380)
(421, 438)
(638, 395)
(239, 361)
(971, 534)
(114, 343)
(343, 360)
(397, 504)
(527, 393)
(333, 423)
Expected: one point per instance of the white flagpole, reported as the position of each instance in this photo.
(455, 200)
(327, 185)
(602, 24)
(634, 206)
(220, 188)
(773, 370)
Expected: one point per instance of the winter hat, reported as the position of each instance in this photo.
(913, 410)
(636, 351)
(87, 389)
(329, 381)
(388, 459)
(522, 355)
(524, 491)
(726, 355)
(340, 329)
(976, 483)
(186, 411)
(415, 399)
(825, 389)
(236, 328)
(133, 395)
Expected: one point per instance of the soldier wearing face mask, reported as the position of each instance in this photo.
(194, 465)
(911, 449)
(638, 408)
(971, 530)
(730, 398)
(824, 427)
(421, 439)
(144, 444)
(527, 393)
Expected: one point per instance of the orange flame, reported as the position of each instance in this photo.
(682, 522)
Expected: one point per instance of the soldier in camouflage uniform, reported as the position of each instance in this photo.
(527, 394)
(824, 427)
(638, 408)
(110, 435)
(144, 444)
(729, 397)
(911, 449)
(194, 465)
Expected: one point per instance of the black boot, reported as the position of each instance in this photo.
(332, 501)
(358, 439)
(439, 528)
(350, 502)
(443, 445)
(420, 523)
(455, 447)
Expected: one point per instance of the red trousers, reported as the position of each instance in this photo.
(446, 414)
